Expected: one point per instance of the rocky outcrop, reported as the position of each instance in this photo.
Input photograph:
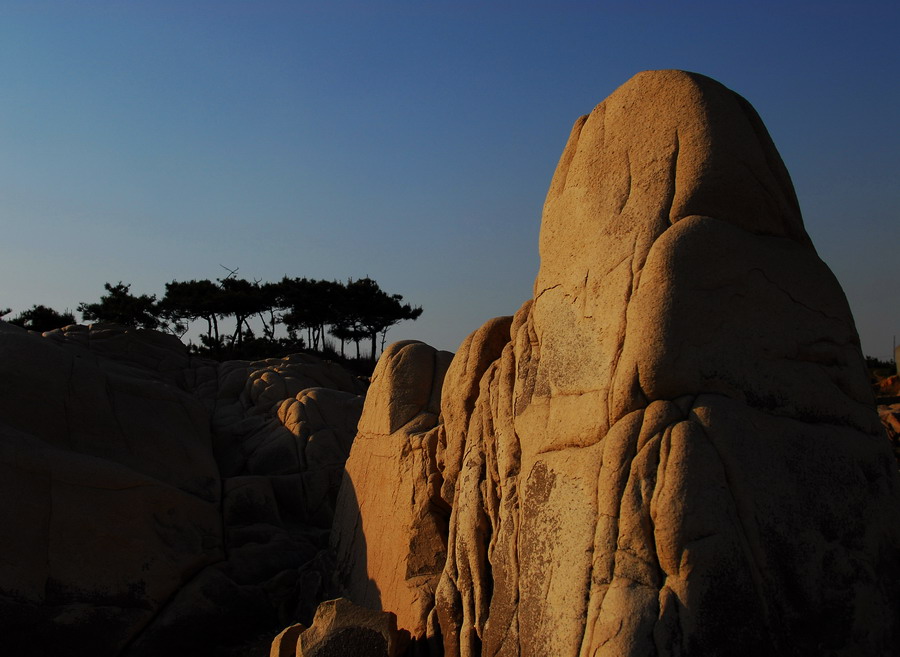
(676, 452)
(158, 503)
(111, 486)
(342, 628)
(672, 448)
(390, 527)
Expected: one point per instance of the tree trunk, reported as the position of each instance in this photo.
(268, 330)
(238, 334)
(216, 329)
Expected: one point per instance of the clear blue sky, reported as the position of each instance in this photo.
(412, 142)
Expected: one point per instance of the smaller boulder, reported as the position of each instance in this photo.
(890, 420)
(342, 628)
(285, 644)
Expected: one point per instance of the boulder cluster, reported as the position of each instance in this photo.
(156, 503)
(672, 449)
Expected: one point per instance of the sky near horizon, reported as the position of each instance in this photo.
(412, 142)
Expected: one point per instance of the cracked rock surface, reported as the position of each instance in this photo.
(156, 503)
(672, 449)
(390, 525)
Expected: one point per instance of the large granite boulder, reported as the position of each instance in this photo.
(158, 503)
(677, 451)
(672, 449)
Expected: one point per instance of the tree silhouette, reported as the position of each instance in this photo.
(376, 310)
(241, 299)
(119, 306)
(355, 311)
(196, 299)
(41, 318)
(310, 304)
(269, 296)
(348, 330)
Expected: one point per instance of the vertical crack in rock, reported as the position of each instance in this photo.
(673, 180)
(627, 195)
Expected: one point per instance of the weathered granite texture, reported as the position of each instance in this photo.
(341, 628)
(157, 503)
(672, 449)
(390, 529)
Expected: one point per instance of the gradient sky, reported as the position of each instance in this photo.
(412, 142)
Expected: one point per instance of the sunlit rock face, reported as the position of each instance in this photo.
(390, 525)
(156, 503)
(676, 451)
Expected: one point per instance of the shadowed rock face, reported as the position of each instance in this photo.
(341, 628)
(109, 484)
(673, 450)
(157, 503)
